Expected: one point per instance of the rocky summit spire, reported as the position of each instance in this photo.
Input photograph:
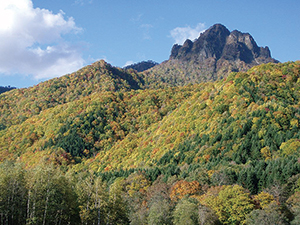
(219, 44)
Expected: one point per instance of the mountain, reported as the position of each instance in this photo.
(106, 145)
(214, 55)
(219, 43)
(232, 120)
(137, 151)
(142, 66)
(136, 128)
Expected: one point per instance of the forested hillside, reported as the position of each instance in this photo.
(5, 89)
(100, 147)
(20, 104)
(142, 66)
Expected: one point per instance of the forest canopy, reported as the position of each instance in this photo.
(100, 147)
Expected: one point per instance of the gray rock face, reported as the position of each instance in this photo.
(213, 56)
(219, 44)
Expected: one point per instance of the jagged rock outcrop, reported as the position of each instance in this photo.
(214, 55)
(219, 43)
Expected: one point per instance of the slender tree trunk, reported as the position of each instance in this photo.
(99, 211)
(33, 210)
(28, 204)
(87, 210)
(97, 205)
(46, 207)
(60, 217)
(12, 203)
(8, 208)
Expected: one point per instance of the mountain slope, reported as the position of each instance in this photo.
(18, 105)
(207, 147)
(135, 129)
(248, 116)
(82, 128)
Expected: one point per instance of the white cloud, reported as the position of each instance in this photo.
(32, 41)
(82, 2)
(146, 31)
(180, 34)
(137, 18)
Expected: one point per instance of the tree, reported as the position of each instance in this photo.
(296, 220)
(263, 199)
(12, 194)
(50, 199)
(294, 205)
(268, 216)
(160, 213)
(117, 207)
(231, 205)
(186, 212)
(184, 188)
(136, 187)
(92, 199)
(207, 216)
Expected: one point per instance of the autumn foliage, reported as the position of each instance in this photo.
(113, 140)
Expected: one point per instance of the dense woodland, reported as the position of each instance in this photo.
(5, 89)
(108, 146)
(141, 66)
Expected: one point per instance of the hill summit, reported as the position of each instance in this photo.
(220, 44)
(214, 55)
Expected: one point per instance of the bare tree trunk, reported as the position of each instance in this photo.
(12, 202)
(97, 204)
(28, 204)
(60, 217)
(99, 211)
(33, 210)
(46, 207)
(87, 209)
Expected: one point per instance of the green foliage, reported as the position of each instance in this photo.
(13, 194)
(269, 216)
(160, 213)
(185, 213)
(39, 196)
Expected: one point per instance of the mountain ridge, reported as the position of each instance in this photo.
(218, 42)
(141, 66)
(214, 55)
(100, 76)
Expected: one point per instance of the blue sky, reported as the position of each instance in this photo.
(42, 39)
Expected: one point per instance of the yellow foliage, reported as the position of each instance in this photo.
(263, 199)
(266, 152)
(137, 183)
(294, 123)
(290, 147)
(231, 204)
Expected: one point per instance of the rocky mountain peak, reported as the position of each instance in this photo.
(218, 43)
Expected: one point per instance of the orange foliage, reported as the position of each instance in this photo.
(155, 151)
(184, 188)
